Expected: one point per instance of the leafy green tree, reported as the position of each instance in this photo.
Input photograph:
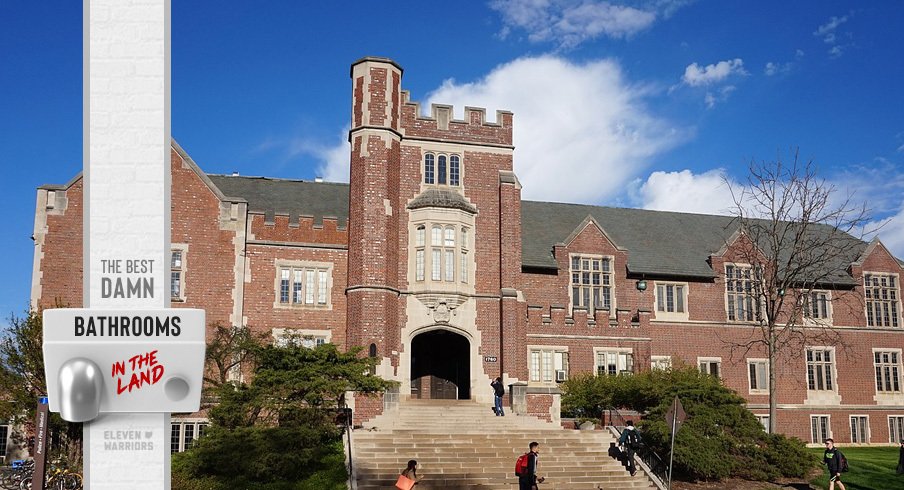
(281, 426)
(22, 383)
(721, 437)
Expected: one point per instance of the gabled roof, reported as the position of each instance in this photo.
(659, 242)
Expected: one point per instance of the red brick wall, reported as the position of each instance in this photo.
(61, 267)
(366, 408)
(539, 406)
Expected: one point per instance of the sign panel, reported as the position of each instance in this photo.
(149, 360)
(676, 415)
(40, 451)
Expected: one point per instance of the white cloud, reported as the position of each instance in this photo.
(772, 69)
(721, 95)
(333, 160)
(581, 131)
(569, 23)
(684, 191)
(695, 75)
(891, 231)
(827, 30)
(799, 53)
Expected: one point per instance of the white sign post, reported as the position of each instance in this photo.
(126, 356)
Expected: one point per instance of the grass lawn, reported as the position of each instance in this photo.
(872, 468)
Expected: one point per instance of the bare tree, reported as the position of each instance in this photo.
(795, 236)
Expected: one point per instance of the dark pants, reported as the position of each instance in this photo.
(526, 483)
(629, 459)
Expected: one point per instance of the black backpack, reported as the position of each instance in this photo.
(843, 462)
(632, 439)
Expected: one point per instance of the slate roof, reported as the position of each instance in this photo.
(283, 196)
(660, 243)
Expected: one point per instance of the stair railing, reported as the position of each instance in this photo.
(657, 465)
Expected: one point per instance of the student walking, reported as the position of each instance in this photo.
(527, 474)
(499, 392)
(833, 460)
(901, 459)
(408, 478)
(630, 442)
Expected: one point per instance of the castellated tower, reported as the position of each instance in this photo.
(434, 241)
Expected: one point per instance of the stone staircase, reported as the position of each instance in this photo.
(460, 444)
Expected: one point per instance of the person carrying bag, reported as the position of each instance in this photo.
(408, 479)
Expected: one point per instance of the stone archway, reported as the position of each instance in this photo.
(440, 366)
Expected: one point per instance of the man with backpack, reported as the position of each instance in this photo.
(837, 463)
(630, 442)
(526, 468)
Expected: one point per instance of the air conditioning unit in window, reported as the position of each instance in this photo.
(560, 375)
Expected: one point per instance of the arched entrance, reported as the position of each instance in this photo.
(440, 366)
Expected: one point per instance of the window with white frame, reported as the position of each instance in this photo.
(710, 365)
(763, 420)
(816, 305)
(613, 362)
(548, 365)
(758, 375)
(4, 437)
(741, 289)
(661, 362)
(183, 434)
(670, 298)
(442, 169)
(303, 284)
(888, 371)
(820, 428)
(820, 369)
(895, 429)
(859, 429)
(285, 337)
(177, 272)
(591, 282)
(881, 291)
(447, 252)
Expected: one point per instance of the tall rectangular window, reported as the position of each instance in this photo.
(4, 436)
(441, 169)
(820, 369)
(454, 170)
(882, 295)
(816, 305)
(895, 429)
(297, 284)
(450, 265)
(859, 429)
(436, 264)
(670, 298)
(321, 287)
(177, 274)
(535, 365)
(820, 428)
(309, 287)
(741, 289)
(758, 374)
(183, 434)
(764, 421)
(888, 371)
(429, 168)
(419, 265)
(591, 282)
(463, 268)
(284, 285)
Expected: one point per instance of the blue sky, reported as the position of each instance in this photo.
(645, 103)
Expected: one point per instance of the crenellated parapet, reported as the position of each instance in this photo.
(556, 319)
(441, 124)
(283, 228)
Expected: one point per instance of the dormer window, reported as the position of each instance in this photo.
(442, 169)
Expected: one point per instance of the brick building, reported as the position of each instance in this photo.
(431, 261)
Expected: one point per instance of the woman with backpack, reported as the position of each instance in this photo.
(408, 478)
